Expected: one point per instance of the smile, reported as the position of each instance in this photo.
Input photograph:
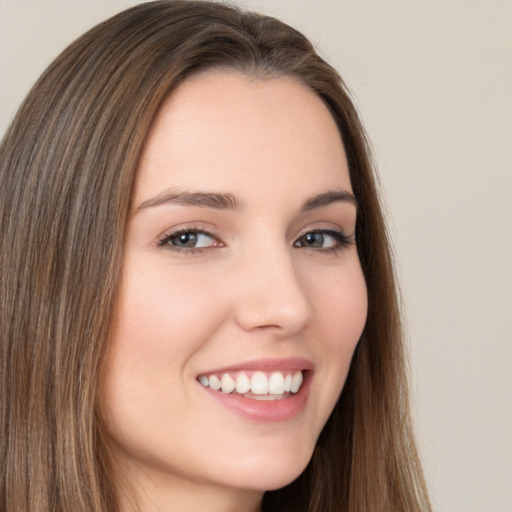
(256, 385)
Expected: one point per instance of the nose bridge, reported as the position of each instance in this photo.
(271, 292)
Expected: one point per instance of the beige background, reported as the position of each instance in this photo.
(433, 81)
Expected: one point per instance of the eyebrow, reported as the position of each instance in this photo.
(227, 201)
(327, 198)
(218, 201)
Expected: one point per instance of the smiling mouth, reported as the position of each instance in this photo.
(256, 385)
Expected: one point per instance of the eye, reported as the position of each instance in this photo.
(326, 240)
(188, 239)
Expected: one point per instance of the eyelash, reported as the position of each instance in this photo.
(341, 241)
(165, 240)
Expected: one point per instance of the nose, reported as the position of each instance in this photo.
(271, 293)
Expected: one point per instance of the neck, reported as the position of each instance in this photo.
(169, 493)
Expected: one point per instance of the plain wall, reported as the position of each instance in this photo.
(433, 81)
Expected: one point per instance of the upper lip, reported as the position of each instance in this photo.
(281, 364)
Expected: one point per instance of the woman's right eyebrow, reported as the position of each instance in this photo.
(219, 201)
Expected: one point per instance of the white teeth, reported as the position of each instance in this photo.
(262, 386)
(227, 383)
(288, 383)
(296, 382)
(259, 383)
(276, 384)
(214, 382)
(267, 397)
(243, 383)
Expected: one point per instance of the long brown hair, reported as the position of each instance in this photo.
(67, 167)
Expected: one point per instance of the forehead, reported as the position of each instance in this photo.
(223, 129)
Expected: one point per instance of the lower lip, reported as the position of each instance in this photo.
(265, 410)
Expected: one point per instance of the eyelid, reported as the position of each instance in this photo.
(161, 241)
(342, 240)
(328, 227)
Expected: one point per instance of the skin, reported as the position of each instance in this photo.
(255, 290)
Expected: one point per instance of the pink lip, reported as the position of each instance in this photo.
(289, 363)
(265, 410)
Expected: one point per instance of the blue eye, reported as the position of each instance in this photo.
(188, 239)
(323, 240)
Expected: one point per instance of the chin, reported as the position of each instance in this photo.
(271, 472)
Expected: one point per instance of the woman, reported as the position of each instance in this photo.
(197, 299)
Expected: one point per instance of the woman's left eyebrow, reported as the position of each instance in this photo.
(327, 198)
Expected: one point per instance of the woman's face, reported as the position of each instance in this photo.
(240, 271)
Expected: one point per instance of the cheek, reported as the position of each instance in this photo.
(163, 319)
(341, 307)
(349, 309)
(164, 316)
